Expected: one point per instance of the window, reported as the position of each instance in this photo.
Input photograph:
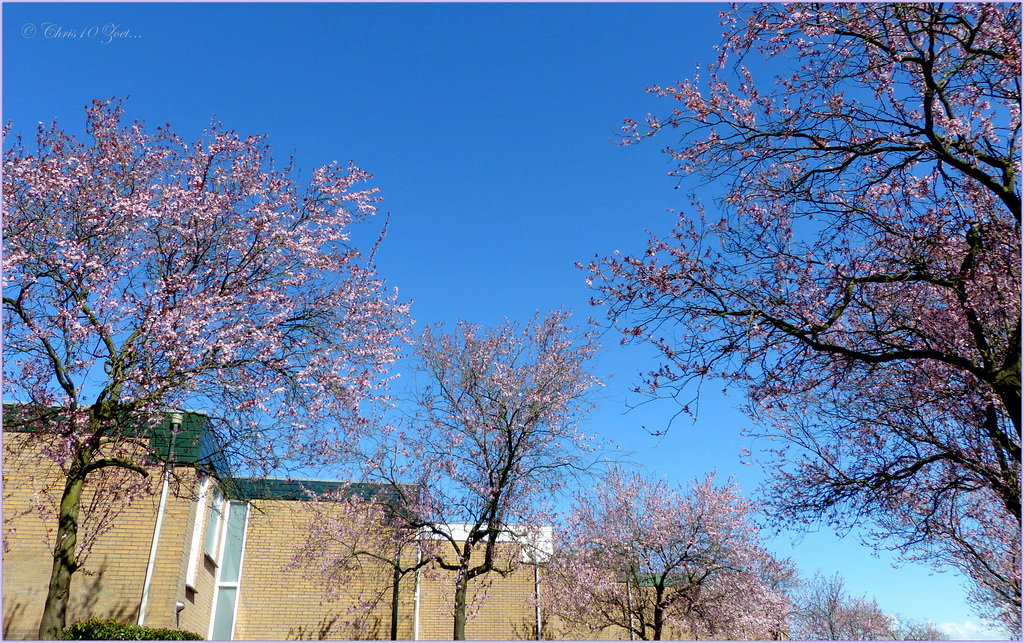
(229, 573)
(213, 523)
(197, 532)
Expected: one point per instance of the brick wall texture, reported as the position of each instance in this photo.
(110, 584)
(275, 602)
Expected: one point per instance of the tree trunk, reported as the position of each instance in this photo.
(51, 627)
(659, 614)
(461, 589)
(395, 595)
(1007, 387)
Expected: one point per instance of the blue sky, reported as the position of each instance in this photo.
(488, 129)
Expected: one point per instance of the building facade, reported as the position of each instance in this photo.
(200, 554)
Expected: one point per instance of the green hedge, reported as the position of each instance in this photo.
(111, 629)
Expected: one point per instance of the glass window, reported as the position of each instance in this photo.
(213, 522)
(224, 615)
(230, 569)
(232, 555)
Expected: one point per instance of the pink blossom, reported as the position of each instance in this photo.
(144, 274)
(862, 281)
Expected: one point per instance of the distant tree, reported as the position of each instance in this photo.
(662, 562)
(142, 274)
(863, 279)
(825, 611)
(919, 631)
(494, 437)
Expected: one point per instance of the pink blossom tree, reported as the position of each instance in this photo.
(493, 437)
(824, 611)
(664, 562)
(355, 531)
(143, 274)
(862, 280)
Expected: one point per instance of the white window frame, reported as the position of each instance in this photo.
(197, 533)
(237, 584)
(214, 551)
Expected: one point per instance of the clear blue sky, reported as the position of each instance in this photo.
(487, 128)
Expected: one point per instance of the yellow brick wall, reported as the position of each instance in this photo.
(504, 613)
(273, 603)
(110, 584)
(198, 599)
(168, 587)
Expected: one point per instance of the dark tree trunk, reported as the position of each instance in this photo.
(395, 596)
(51, 627)
(659, 614)
(461, 589)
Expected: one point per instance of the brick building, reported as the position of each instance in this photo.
(211, 556)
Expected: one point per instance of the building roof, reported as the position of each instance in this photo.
(537, 541)
(193, 443)
(299, 489)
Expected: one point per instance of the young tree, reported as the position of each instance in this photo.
(824, 611)
(863, 279)
(658, 561)
(143, 274)
(495, 435)
(355, 531)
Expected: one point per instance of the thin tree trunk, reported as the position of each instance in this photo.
(51, 627)
(395, 595)
(629, 609)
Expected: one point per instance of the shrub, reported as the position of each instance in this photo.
(111, 629)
